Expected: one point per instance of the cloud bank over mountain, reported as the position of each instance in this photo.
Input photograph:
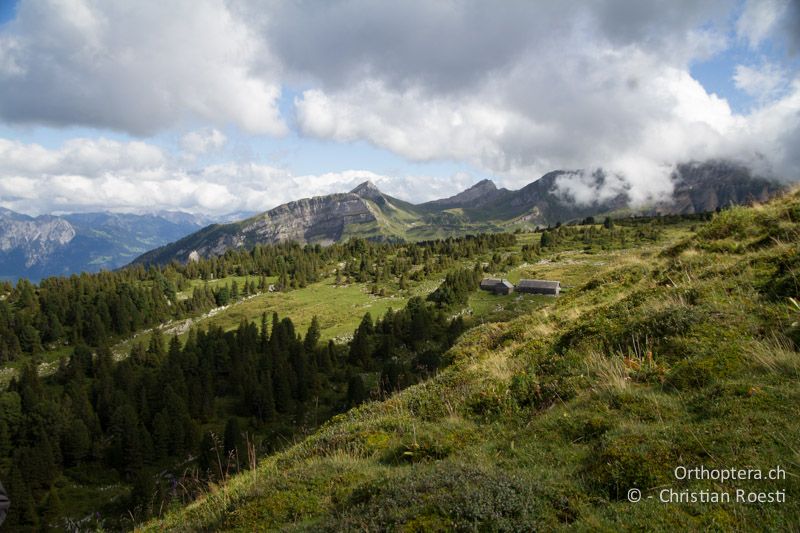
(513, 89)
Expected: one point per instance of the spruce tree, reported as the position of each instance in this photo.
(233, 443)
(312, 336)
(52, 517)
(356, 391)
(22, 513)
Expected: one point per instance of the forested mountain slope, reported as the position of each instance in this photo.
(683, 354)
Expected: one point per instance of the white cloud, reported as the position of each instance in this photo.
(626, 113)
(515, 89)
(91, 175)
(758, 19)
(203, 141)
(593, 92)
(762, 82)
(138, 67)
(78, 156)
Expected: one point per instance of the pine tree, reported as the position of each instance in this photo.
(265, 400)
(356, 391)
(52, 517)
(233, 443)
(143, 493)
(127, 452)
(76, 442)
(207, 459)
(312, 336)
(361, 345)
(22, 513)
(162, 434)
(281, 387)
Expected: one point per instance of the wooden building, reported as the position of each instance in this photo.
(539, 286)
(497, 286)
(488, 284)
(504, 287)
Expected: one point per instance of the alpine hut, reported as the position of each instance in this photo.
(488, 284)
(539, 286)
(504, 287)
(497, 286)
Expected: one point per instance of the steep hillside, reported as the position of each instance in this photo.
(62, 245)
(367, 212)
(322, 219)
(684, 355)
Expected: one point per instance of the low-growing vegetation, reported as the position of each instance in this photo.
(678, 353)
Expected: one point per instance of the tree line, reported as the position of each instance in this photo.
(93, 308)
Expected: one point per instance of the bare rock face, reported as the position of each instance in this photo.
(369, 191)
(701, 187)
(322, 219)
(35, 238)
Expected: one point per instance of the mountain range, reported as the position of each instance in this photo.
(369, 213)
(47, 245)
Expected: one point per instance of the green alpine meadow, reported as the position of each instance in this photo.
(676, 353)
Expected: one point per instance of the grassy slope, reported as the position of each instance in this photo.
(654, 359)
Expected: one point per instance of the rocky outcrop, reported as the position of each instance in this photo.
(702, 187)
(35, 239)
(369, 191)
(698, 187)
(321, 219)
(541, 203)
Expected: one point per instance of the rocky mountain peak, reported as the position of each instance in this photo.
(483, 185)
(367, 190)
(478, 195)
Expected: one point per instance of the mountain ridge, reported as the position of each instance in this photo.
(482, 193)
(367, 212)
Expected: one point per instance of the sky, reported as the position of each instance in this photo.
(218, 106)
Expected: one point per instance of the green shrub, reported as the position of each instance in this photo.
(637, 405)
(628, 461)
(586, 428)
(415, 449)
(792, 212)
(491, 401)
(691, 373)
(785, 279)
(736, 222)
(453, 497)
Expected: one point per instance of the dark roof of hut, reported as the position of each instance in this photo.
(538, 284)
